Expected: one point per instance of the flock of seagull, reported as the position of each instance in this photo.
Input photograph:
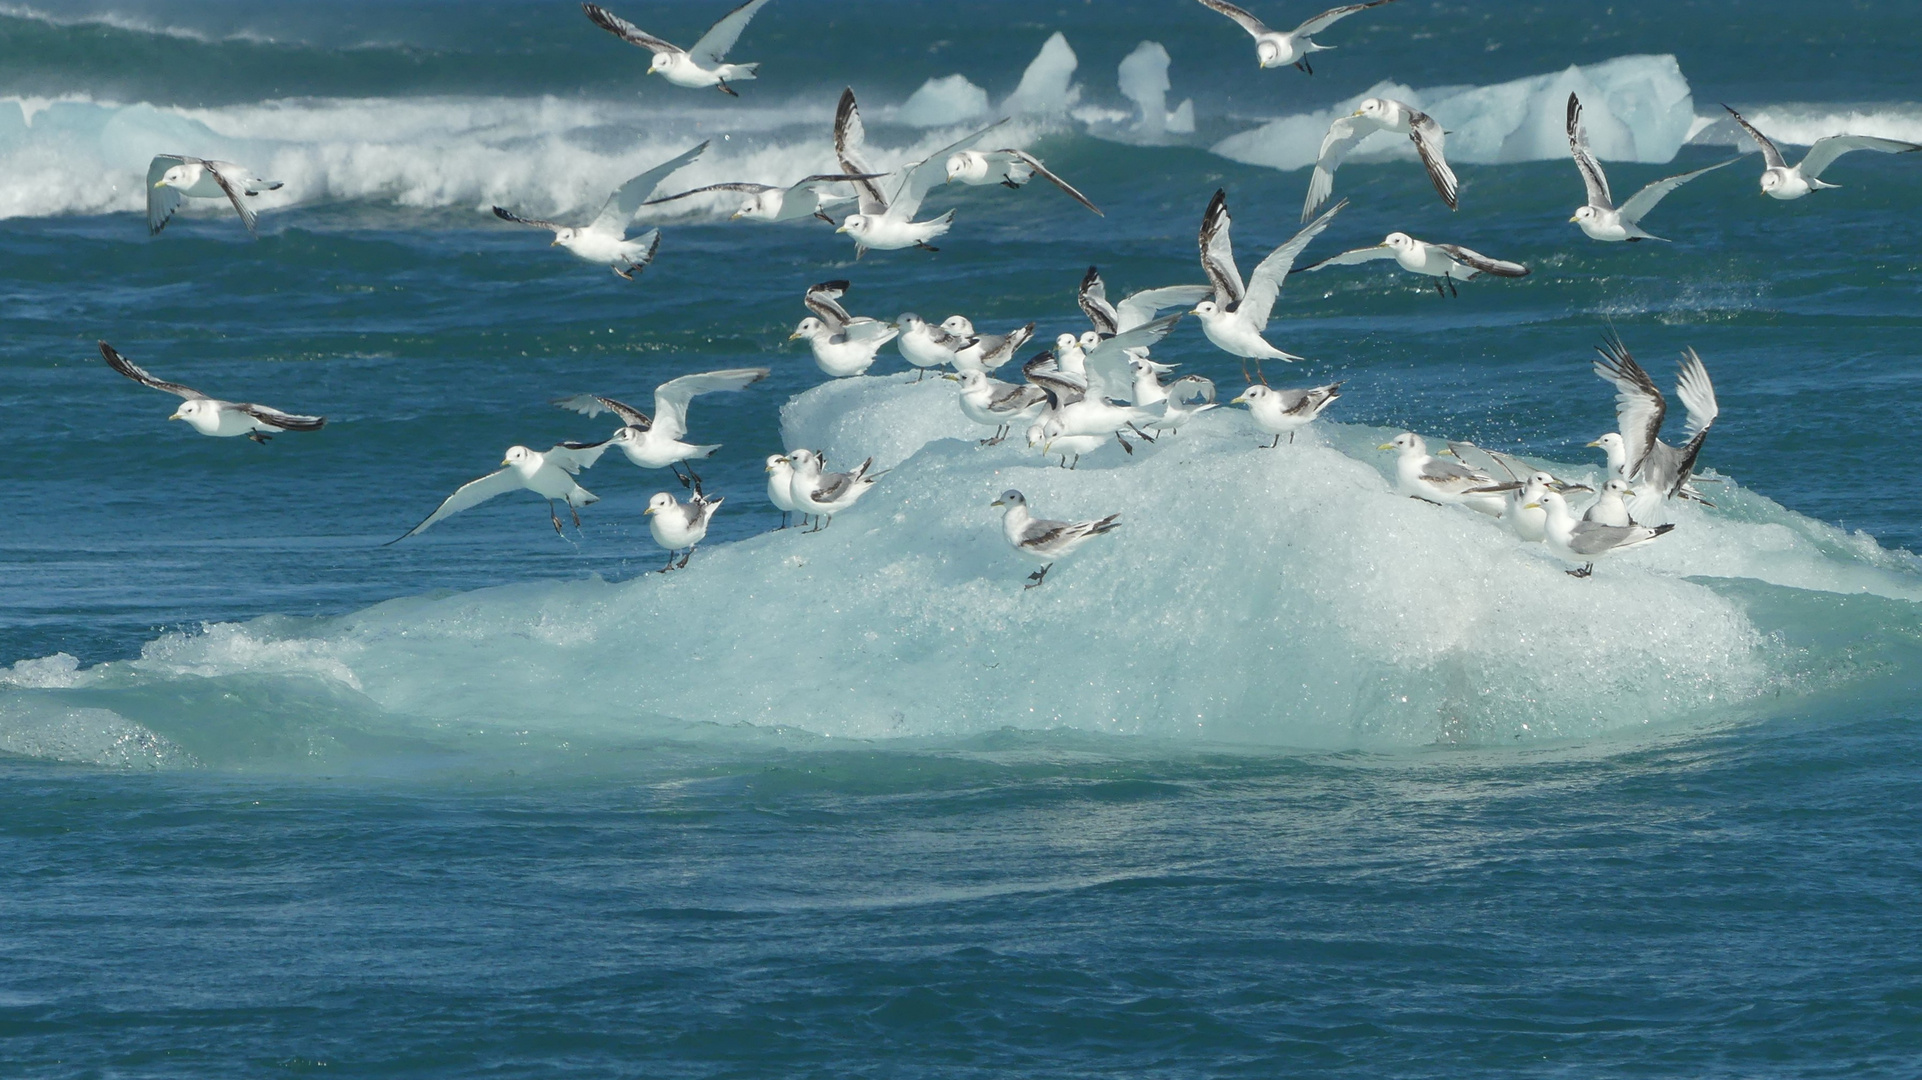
(1091, 387)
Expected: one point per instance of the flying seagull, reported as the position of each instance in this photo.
(697, 67)
(656, 443)
(806, 197)
(604, 240)
(172, 179)
(1280, 48)
(843, 344)
(1380, 114)
(1780, 180)
(1010, 168)
(212, 416)
(1236, 316)
(1635, 453)
(887, 206)
(549, 474)
(1601, 219)
(1449, 262)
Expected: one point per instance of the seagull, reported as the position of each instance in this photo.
(1010, 168)
(656, 443)
(1450, 262)
(694, 68)
(1279, 48)
(604, 240)
(843, 344)
(780, 484)
(1068, 446)
(1045, 541)
(211, 416)
(677, 525)
(1380, 114)
(1601, 219)
(887, 206)
(926, 345)
(985, 352)
(806, 197)
(1186, 397)
(1783, 181)
(174, 178)
(1586, 541)
(827, 494)
(1422, 476)
(1236, 315)
(1280, 412)
(1106, 361)
(1609, 507)
(1137, 308)
(996, 404)
(1517, 493)
(1072, 411)
(549, 475)
(1634, 451)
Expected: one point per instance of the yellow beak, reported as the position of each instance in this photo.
(160, 183)
(795, 336)
(1533, 506)
(647, 511)
(1574, 217)
(843, 228)
(1386, 446)
(1597, 442)
(997, 502)
(176, 416)
(1239, 400)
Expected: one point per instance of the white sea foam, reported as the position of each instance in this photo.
(1801, 123)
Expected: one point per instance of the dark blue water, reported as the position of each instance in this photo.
(1293, 777)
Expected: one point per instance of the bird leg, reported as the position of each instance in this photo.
(669, 566)
(1452, 291)
(1430, 502)
(1038, 577)
(1277, 441)
(784, 516)
(1441, 292)
(726, 89)
(684, 558)
(1125, 446)
(555, 518)
(1583, 572)
(823, 215)
(925, 246)
(577, 516)
(260, 437)
(1009, 184)
(1144, 436)
(1305, 66)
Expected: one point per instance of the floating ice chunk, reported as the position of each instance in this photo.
(1636, 108)
(943, 101)
(1046, 87)
(1144, 80)
(59, 670)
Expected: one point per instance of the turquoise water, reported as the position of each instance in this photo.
(1292, 777)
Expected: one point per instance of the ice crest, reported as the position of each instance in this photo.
(1143, 77)
(950, 100)
(1047, 86)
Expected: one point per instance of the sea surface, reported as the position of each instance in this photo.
(1290, 776)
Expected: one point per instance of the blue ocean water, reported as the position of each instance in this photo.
(1294, 777)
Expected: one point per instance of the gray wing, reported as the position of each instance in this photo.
(1437, 471)
(1062, 388)
(247, 215)
(1093, 298)
(920, 177)
(834, 485)
(1696, 393)
(468, 495)
(162, 202)
(1593, 178)
(751, 189)
(1595, 538)
(1138, 308)
(1639, 406)
(1218, 251)
(591, 405)
(626, 200)
(821, 299)
(850, 135)
(575, 456)
(1246, 21)
(1645, 199)
(1771, 157)
(1108, 361)
(1475, 260)
(1825, 151)
(1428, 138)
(139, 374)
(1009, 397)
(1351, 258)
(1043, 172)
(1334, 15)
(508, 215)
(671, 397)
(1191, 390)
(1343, 136)
(722, 35)
(1265, 283)
(627, 31)
(285, 421)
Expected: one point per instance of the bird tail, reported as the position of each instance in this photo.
(581, 497)
(702, 451)
(738, 72)
(1106, 524)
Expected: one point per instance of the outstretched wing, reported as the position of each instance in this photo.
(592, 405)
(1825, 151)
(1218, 252)
(1639, 406)
(920, 177)
(722, 35)
(1191, 390)
(1771, 157)
(850, 135)
(285, 421)
(1243, 19)
(627, 199)
(1645, 199)
(821, 299)
(1697, 394)
(750, 189)
(1593, 178)
(1265, 283)
(1107, 363)
(1063, 389)
(1475, 260)
(468, 495)
(671, 397)
(162, 202)
(247, 215)
(1043, 172)
(1138, 308)
(1428, 138)
(139, 374)
(1334, 15)
(1093, 298)
(1351, 258)
(1343, 136)
(627, 31)
(575, 456)
(507, 215)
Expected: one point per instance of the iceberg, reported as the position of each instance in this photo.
(941, 102)
(1143, 77)
(1047, 87)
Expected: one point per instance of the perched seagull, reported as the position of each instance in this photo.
(806, 197)
(1450, 262)
(1236, 315)
(1601, 219)
(780, 484)
(1283, 412)
(1279, 48)
(1186, 397)
(887, 206)
(1380, 114)
(697, 67)
(1783, 181)
(174, 178)
(1045, 541)
(677, 525)
(1634, 451)
(1420, 475)
(996, 404)
(1010, 168)
(985, 352)
(1068, 446)
(1584, 542)
(843, 344)
(211, 416)
(1072, 411)
(549, 475)
(1518, 492)
(657, 443)
(1137, 308)
(926, 345)
(1609, 507)
(604, 240)
(827, 494)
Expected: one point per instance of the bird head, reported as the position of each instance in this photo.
(661, 501)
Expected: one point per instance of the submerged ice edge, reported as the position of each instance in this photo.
(1282, 597)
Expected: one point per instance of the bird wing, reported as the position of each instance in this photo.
(247, 215)
(820, 299)
(862, 328)
(1825, 151)
(1639, 406)
(1593, 178)
(1343, 136)
(572, 457)
(627, 31)
(139, 374)
(592, 405)
(920, 177)
(1332, 16)
(1062, 388)
(1108, 361)
(1218, 252)
(751, 189)
(162, 202)
(1475, 260)
(1696, 393)
(1770, 155)
(1265, 283)
(285, 421)
(1046, 174)
(1093, 298)
(621, 206)
(1437, 471)
(1595, 538)
(1008, 397)
(1248, 22)
(1428, 138)
(1351, 258)
(1141, 306)
(850, 135)
(671, 397)
(506, 215)
(1191, 390)
(1645, 199)
(468, 495)
(722, 35)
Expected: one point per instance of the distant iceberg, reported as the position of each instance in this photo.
(940, 102)
(1047, 87)
(1144, 80)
